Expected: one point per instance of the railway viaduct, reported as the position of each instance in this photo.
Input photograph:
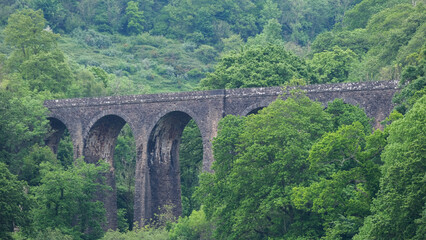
(157, 122)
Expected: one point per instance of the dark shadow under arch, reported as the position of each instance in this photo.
(99, 144)
(163, 163)
(57, 129)
(255, 111)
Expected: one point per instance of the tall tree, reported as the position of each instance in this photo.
(399, 209)
(35, 54)
(134, 19)
(345, 180)
(333, 66)
(65, 199)
(14, 202)
(256, 66)
(259, 159)
(26, 32)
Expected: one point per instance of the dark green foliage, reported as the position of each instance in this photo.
(23, 124)
(14, 202)
(65, 153)
(190, 163)
(124, 165)
(413, 80)
(67, 195)
(30, 169)
(268, 182)
(346, 114)
(53, 12)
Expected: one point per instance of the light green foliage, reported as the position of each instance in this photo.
(49, 233)
(256, 66)
(390, 35)
(137, 234)
(67, 195)
(47, 71)
(26, 32)
(193, 227)
(134, 19)
(398, 210)
(263, 158)
(13, 202)
(355, 40)
(358, 16)
(333, 66)
(391, 29)
(90, 82)
(35, 55)
(271, 34)
(233, 42)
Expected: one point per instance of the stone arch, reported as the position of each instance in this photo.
(58, 128)
(346, 100)
(351, 101)
(99, 143)
(102, 114)
(182, 109)
(256, 107)
(163, 162)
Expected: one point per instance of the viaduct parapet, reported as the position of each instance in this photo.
(157, 122)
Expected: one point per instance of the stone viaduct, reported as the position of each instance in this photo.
(157, 122)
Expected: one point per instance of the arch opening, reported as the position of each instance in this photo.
(190, 165)
(100, 144)
(255, 111)
(57, 129)
(172, 181)
(124, 163)
(60, 142)
(345, 113)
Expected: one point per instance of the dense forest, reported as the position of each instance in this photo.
(294, 170)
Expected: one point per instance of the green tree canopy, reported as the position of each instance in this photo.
(134, 19)
(345, 180)
(399, 209)
(333, 66)
(259, 159)
(65, 199)
(26, 32)
(256, 66)
(413, 80)
(14, 202)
